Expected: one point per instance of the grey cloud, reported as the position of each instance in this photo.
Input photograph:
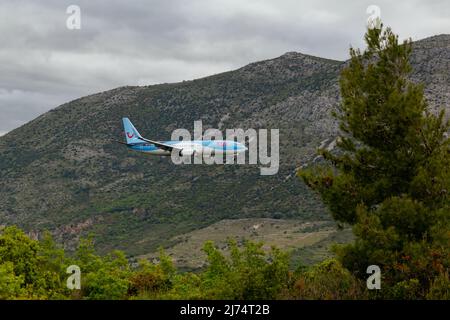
(43, 64)
(18, 107)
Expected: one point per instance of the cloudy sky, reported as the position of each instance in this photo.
(44, 64)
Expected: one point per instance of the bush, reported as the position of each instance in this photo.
(247, 274)
(328, 280)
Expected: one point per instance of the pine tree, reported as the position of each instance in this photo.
(390, 177)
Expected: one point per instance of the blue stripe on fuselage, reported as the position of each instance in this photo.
(213, 144)
(145, 147)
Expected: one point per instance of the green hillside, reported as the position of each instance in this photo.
(62, 172)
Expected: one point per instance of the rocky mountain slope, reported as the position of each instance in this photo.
(63, 172)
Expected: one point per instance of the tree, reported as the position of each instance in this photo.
(390, 177)
(103, 277)
(16, 247)
(325, 281)
(249, 273)
(10, 284)
(29, 268)
(152, 280)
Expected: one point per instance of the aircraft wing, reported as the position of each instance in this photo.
(160, 145)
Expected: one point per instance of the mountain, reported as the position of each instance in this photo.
(62, 171)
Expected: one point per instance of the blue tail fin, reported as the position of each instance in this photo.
(131, 134)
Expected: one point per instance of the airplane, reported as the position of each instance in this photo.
(184, 148)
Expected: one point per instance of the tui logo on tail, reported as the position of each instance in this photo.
(130, 135)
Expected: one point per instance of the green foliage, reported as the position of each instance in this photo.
(152, 280)
(30, 269)
(391, 175)
(11, 286)
(103, 277)
(16, 247)
(244, 271)
(440, 288)
(246, 274)
(325, 281)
